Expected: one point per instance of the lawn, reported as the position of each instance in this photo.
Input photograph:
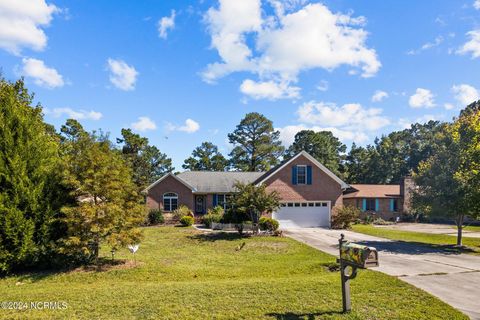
(183, 274)
(436, 239)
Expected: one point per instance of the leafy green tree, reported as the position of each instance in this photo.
(393, 156)
(146, 161)
(31, 192)
(322, 145)
(257, 146)
(439, 193)
(108, 208)
(466, 132)
(252, 201)
(206, 157)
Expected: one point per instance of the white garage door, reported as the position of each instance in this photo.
(303, 214)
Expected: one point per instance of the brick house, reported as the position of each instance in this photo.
(309, 191)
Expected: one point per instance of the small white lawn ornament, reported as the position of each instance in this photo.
(133, 248)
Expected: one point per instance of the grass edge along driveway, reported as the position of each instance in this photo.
(184, 274)
(472, 244)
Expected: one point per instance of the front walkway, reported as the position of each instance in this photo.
(454, 278)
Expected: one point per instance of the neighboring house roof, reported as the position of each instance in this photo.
(271, 172)
(373, 191)
(210, 181)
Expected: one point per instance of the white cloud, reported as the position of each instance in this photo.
(379, 95)
(21, 24)
(350, 116)
(285, 44)
(165, 24)
(144, 124)
(122, 75)
(287, 133)
(270, 90)
(448, 106)
(422, 98)
(190, 126)
(323, 85)
(473, 45)
(41, 74)
(476, 4)
(438, 40)
(465, 94)
(72, 114)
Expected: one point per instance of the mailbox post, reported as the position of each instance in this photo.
(353, 256)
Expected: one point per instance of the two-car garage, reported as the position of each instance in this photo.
(303, 214)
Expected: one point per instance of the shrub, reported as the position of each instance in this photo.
(186, 221)
(380, 221)
(344, 217)
(268, 224)
(155, 216)
(213, 215)
(182, 211)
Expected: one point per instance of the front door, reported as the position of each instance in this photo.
(200, 204)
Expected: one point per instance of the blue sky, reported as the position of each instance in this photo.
(183, 72)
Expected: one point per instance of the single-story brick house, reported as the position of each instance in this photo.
(308, 191)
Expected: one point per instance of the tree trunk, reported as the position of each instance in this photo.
(459, 222)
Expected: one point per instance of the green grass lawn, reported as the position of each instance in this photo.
(470, 228)
(182, 274)
(436, 239)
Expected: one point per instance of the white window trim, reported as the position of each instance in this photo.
(167, 196)
(305, 181)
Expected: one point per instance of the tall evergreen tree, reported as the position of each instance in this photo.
(206, 157)
(322, 145)
(31, 194)
(108, 208)
(257, 146)
(146, 161)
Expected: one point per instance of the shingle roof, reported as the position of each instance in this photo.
(221, 182)
(373, 191)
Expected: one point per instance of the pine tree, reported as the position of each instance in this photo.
(31, 194)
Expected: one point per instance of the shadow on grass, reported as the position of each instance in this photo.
(105, 264)
(408, 247)
(216, 236)
(301, 316)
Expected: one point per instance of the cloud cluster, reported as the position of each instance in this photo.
(379, 95)
(42, 75)
(423, 98)
(190, 126)
(165, 24)
(286, 43)
(472, 46)
(122, 75)
(349, 122)
(270, 90)
(144, 124)
(72, 114)
(465, 94)
(21, 24)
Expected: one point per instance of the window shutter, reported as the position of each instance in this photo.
(391, 205)
(294, 175)
(309, 174)
(364, 204)
(376, 204)
(215, 200)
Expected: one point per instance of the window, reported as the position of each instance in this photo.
(394, 205)
(224, 200)
(301, 174)
(304, 204)
(318, 204)
(297, 204)
(283, 204)
(170, 201)
(369, 204)
(290, 204)
(311, 204)
(324, 204)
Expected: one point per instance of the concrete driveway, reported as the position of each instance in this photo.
(454, 278)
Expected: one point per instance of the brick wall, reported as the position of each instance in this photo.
(170, 184)
(383, 207)
(323, 187)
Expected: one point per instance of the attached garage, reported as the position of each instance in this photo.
(303, 214)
